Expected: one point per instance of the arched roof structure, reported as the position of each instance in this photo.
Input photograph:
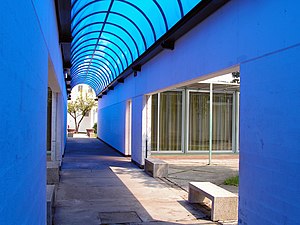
(109, 35)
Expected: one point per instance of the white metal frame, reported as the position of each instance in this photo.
(237, 123)
(234, 126)
(185, 123)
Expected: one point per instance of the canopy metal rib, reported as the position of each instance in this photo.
(111, 38)
(106, 17)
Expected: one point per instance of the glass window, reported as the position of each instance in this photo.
(222, 125)
(170, 121)
(166, 121)
(154, 122)
(199, 121)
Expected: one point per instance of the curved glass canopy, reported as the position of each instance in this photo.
(109, 35)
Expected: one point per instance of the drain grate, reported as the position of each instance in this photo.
(124, 218)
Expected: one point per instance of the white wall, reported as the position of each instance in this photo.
(86, 123)
(263, 37)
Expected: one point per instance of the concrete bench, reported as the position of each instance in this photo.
(156, 167)
(224, 203)
(52, 172)
(50, 203)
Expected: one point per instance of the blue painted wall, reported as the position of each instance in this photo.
(113, 125)
(270, 139)
(137, 149)
(26, 42)
(262, 37)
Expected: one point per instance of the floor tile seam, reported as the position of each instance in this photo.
(178, 221)
(97, 204)
(84, 177)
(179, 172)
(84, 171)
(90, 174)
(71, 201)
(91, 186)
(87, 200)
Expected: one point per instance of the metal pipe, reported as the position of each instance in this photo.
(210, 121)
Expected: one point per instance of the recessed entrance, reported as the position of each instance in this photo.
(128, 128)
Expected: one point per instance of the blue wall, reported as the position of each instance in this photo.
(137, 146)
(270, 139)
(26, 42)
(113, 125)
(262, 37)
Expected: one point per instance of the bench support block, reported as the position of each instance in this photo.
(156, 167)
(50, 203)
(224, 203)
(224, 209)
(52, 172)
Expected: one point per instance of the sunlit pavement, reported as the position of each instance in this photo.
(99, 186)
(184, 170)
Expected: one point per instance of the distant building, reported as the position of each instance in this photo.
(91, 118)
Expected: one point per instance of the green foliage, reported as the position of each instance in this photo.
(234, 181)
(79, 108)
(95, 128)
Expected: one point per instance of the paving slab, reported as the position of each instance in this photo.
(183, 171)
(99, 186)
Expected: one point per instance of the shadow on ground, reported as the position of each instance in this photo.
(180, 174)
(99, 186)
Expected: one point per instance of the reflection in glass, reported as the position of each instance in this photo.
(170, 121)
(199, 121)
(222, 125)
(154, 121)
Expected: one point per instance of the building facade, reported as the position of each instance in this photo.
(162, 106)
(91, 118)
(261, 41)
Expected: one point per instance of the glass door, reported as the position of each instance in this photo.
(198, 121)
(166, 122)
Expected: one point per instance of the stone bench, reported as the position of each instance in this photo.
(156, 167)
(224, 203)
(50, 203)
(52, 172)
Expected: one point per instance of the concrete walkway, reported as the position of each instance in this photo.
(99, 186)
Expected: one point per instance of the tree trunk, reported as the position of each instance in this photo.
(76, 126)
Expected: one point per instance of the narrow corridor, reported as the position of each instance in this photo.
(99, 186)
